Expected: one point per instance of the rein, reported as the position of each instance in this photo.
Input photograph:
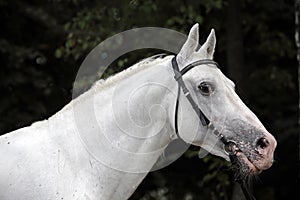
(229, 145)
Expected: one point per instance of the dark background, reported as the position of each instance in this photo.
(43, 42)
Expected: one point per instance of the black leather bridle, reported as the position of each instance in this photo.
(229, 145)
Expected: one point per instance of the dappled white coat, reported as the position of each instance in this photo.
(75, 154)
(51, 160)
(103, 143)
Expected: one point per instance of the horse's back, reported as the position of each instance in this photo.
(48, 160)
(34, 165)
(20, 153)
(15, 146)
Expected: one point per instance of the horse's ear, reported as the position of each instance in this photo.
(190, 45)
(208, 48)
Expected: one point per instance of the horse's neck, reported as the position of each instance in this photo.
(125, 126)
(130, 119)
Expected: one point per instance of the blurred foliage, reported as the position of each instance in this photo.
(42, 44)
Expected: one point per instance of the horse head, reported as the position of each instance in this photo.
(215, 95)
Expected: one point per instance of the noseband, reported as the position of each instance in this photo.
(229, 145)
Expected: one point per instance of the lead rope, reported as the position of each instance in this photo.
(243, 185)
(230, 145)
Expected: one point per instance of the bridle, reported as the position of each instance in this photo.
(230, 146)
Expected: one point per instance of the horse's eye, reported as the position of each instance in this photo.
(205, 88)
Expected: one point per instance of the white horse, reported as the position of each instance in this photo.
(105, 150)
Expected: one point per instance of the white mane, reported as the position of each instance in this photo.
(143, 64)
(103, 84)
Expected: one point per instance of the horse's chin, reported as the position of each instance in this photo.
(243, 167)
(246, 167)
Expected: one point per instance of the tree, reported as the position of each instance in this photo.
(234, 42)
(297, 41)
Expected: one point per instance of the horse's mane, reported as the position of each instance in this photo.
(143, 64)
(103, 84)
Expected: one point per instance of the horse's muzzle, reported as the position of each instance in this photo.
(265, 148)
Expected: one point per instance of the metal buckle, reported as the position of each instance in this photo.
(230, 147)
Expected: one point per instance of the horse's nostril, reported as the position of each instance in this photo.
(262, 143)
